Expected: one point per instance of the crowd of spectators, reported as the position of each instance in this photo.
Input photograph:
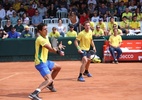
(20, 14)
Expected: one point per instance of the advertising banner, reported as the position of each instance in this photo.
(131, 51)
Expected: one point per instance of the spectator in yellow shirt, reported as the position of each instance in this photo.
(102, 26)
(128, 14)
(98, 31)
(16, 5)
(115, 43)
(92, 24)
(134, 26)
(111, 24)
(71, 32)
(138, 13)
(115, 27)
(54, 33)
(124, 25)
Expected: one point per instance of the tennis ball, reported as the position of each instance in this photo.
(69, 42)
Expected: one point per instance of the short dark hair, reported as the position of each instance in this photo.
(60, 19)
(40, 26)
(125, 17)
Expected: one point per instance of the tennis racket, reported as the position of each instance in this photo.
(54, 42)
(56, 45)
(94, 58)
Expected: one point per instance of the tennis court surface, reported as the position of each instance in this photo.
(121, 81)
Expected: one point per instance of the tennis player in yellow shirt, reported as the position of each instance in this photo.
(48, 69)
(83, 42)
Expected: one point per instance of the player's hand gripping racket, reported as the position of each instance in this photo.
(94, 58)
(92, 54)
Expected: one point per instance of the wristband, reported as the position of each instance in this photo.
(78, 48)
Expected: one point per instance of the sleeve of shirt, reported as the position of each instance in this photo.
(58, 34)
(18, 35)
(79, 36)
(102, 32)
(120, 38)
(41, 19)
(42, 42)
(139, 24)
(75, 34)
(109, 39)
(109, 26)
(67, 34)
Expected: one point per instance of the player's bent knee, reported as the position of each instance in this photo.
(57, 67)
(50, 81)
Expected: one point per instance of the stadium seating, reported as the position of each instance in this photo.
(51, 25)
(32, 29)
(61, 14)
(3, 23)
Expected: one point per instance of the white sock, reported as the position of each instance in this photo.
(38, 89)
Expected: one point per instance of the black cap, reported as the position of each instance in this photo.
(12, 27)
(100, 19)
(71, 26)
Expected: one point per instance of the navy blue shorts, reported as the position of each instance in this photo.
(85, 53)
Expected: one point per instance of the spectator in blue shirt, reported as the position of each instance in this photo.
(14, 18)
(36, 19)
(13, 33)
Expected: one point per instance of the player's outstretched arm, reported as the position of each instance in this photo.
(77, 46)
(93, 45)
(54, 50)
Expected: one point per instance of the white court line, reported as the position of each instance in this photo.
(14, 75)
(8, 76)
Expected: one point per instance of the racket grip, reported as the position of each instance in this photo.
(58, 52)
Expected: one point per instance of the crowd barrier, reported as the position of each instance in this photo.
(24, 49)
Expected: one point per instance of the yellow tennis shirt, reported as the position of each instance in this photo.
(85, 39)
(41, 53)
(115, 40)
